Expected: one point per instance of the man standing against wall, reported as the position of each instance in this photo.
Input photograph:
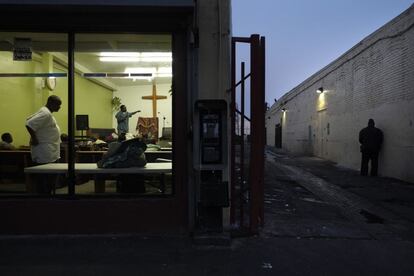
(370, 139)
(45, 138)
(122, 118)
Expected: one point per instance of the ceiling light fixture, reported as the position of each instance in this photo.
(160, 72)
(135, 57)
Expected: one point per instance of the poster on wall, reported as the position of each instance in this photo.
(22, 50)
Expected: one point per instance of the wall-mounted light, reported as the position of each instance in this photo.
(283, 109)
(319, 90)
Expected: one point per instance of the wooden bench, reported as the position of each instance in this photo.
(97, 132)
(100, 173)
(12, 164)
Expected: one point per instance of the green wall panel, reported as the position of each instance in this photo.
(21, 96)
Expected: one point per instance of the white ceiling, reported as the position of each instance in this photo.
(88, 47)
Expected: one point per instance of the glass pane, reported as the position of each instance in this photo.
(132, 71)
(33, 66)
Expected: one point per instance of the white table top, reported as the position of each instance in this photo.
(104, 151)
(91, 168)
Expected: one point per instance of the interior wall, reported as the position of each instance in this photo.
(22, 96)
(131, 97)
(16, 98)
(95, 101)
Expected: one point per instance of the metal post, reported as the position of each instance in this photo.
(262, 121)
(232, 130)
(242, 145)
(255, 134)
(71, 112)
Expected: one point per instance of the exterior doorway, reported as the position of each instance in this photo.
(322, 147)
(278, 136)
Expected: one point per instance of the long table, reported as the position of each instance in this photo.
(95, 156)
(100, 173)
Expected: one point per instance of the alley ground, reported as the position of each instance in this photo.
(321, 219)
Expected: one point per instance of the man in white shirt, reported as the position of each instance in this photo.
(45, 136)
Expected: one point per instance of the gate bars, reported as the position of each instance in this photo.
(247, 176)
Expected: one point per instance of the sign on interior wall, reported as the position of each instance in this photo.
(22, 50)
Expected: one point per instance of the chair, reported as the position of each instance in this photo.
(167, 133)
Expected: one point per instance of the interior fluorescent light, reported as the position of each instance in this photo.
(135, 59)
(160, 72)
(155, 59)
(161, 75)
(156, 54)
(135, 56)
(119, 54)
(164, 70)
(119, 59)
(141, 70)
(151, 70)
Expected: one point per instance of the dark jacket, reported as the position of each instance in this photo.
(129, 153)
(371, 139)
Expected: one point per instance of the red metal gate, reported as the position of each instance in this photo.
(248, 138)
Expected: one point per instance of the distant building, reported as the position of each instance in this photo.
(374, 79)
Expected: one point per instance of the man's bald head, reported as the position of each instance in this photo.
(53, 103)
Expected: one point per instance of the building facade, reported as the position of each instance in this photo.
(62, 40)
(374, 79)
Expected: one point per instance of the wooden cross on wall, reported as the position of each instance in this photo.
(154, 97)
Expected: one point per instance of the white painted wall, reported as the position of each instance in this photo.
(131, 97)
(214, 23)
(374, 79)
(212, 67)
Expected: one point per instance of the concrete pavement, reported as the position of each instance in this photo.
(319, 220)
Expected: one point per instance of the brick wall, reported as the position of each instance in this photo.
(374, 79)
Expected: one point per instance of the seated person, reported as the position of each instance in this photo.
(113, 146)
(6, 142)
(147, 138)
(165, 142)
(153, 147)
(64, 140)
(122, 137)
(100, 143)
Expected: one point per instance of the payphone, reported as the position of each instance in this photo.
(210, 156)
(211, 136)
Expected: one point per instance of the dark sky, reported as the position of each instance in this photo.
(303, 36)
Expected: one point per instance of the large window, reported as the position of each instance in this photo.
(130, 73)
(29, 73)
